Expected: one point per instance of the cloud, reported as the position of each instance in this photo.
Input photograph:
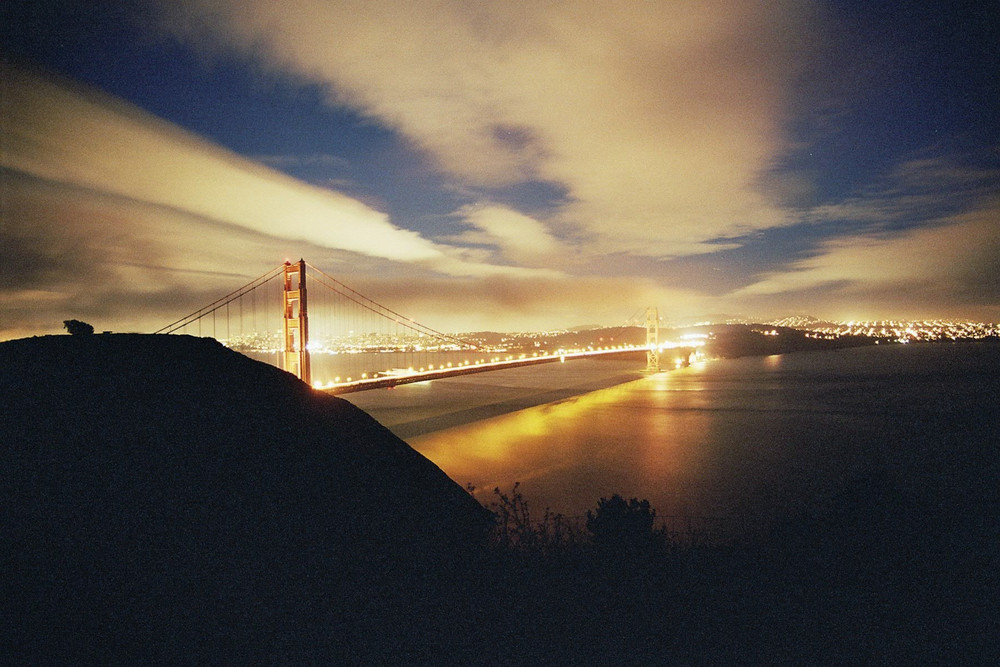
(511, 304)
(83, 139)
(110, 213)
(658, 119)
(952, 267)
(918, 241)
(916, 191)
(597, 138)
(517, 237)
(127, 265)
(67, 251)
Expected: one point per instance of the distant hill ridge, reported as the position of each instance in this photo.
(162, 492)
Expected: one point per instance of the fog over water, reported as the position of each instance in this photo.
(746, 440)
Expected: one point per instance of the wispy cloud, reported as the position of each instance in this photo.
(81, 139)
(101, 199)
(915, 192)
(656, 118)
(522, 151)
(515, 237)
(954, 265)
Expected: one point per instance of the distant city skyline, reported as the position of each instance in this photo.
(501, 167)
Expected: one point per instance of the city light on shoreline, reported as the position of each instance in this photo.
(899, 330)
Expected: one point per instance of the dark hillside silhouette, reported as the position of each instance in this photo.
(167, 499)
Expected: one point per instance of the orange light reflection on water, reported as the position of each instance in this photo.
(637, 439)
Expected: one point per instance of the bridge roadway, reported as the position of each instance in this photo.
(408, 377)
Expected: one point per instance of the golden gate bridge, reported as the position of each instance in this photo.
(280, 319)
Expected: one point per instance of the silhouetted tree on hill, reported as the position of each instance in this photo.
(78, 328)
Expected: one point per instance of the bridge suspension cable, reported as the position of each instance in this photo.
(343, 340)
(373, 306)
(222, 302)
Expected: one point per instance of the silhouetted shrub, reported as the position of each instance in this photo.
(77, 328)
(623, 526)
(515, 528)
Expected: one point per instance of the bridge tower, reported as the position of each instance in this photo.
(296, 357)
(652, 340)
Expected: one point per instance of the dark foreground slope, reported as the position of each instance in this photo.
(166, 499)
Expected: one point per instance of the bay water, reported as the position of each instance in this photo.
(737, 443)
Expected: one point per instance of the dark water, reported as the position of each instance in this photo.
(745, 441)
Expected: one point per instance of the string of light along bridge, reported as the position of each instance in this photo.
(339, 340)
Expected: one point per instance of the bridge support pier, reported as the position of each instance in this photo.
(652, 340)
(296, 356)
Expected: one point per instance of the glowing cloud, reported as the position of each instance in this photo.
(108, 212)
(82, 139)
(518, 237)
(657, 118)
(543, 163)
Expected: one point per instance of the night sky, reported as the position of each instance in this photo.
(511, 165)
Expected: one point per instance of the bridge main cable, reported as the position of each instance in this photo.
(377, 308)
(221, 302)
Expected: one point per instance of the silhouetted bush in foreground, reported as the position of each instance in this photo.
(623, 527)
(515, 529)
(616, 527)
(845, 585)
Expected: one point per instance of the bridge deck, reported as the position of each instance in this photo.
(384, 381)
